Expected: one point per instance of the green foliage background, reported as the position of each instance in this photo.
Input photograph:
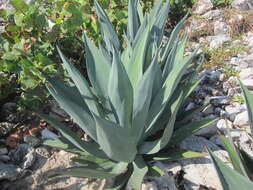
(27, 46)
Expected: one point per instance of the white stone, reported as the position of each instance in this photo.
(149, 186)
(200, 171)
(246, 73)
(223, 125)
(202, 6)
(242, 4)
(221, 28)
(241, 119)
(218, 41)
(248, 83)
(213, 14)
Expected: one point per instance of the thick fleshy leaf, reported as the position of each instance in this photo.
(173, 39)
(109, 35)
(121, 180)
(230, 179)
(174, 156)
(64, 144)
(80, 83)
(95, 163)
(73, 105)
(97, 66)
(83, 172)
(135, 65)
(91, 148)
(115, 141)
(155, 171)
(133, 20)
(249, 102)
(120, 92)
(247, 162)
(152, 147)
(142, 100)
(234, 155)
(139, 171)
(189, 129)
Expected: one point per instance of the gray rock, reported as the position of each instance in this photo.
(218, 41)
(200, 171)
(46, 134)
(198, 144)
(5, 158)
(9, 172)
(3, 151)
(242, 4)
(23, 155)
(32, 141)
(202, 6)
(190, 106)
(213, 14)
(209, 130)
(241, 119)
(233, 110)
(217, 140)
(221, 28)
(208, 110)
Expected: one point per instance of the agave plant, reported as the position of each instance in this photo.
(242, 175)
(132, 105)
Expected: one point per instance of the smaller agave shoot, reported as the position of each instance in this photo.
(133, 108)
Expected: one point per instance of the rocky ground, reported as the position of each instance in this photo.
(228, 33)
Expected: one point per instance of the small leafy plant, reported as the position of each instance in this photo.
(133, 110)
(242, 175)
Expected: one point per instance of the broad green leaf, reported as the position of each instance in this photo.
(108, 32)
(121, 180)
(80, 83)
(91, 148)
(230, 179)
(135, 65)
(19, 5)
(83, 172)
(155, 171)
(64, 144)
(120, 92)
(152, 147)
(247, 162)
(139, 171)
(115, 141)
(234, 156)
(133, 20)
(249, 102)
(142, 100)
(173, 38)
(174, 156)
(140, 13)
(98, 67)
(95, 163)
(73, 104)
(189, 129)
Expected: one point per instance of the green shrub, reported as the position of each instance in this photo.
(133, 110)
